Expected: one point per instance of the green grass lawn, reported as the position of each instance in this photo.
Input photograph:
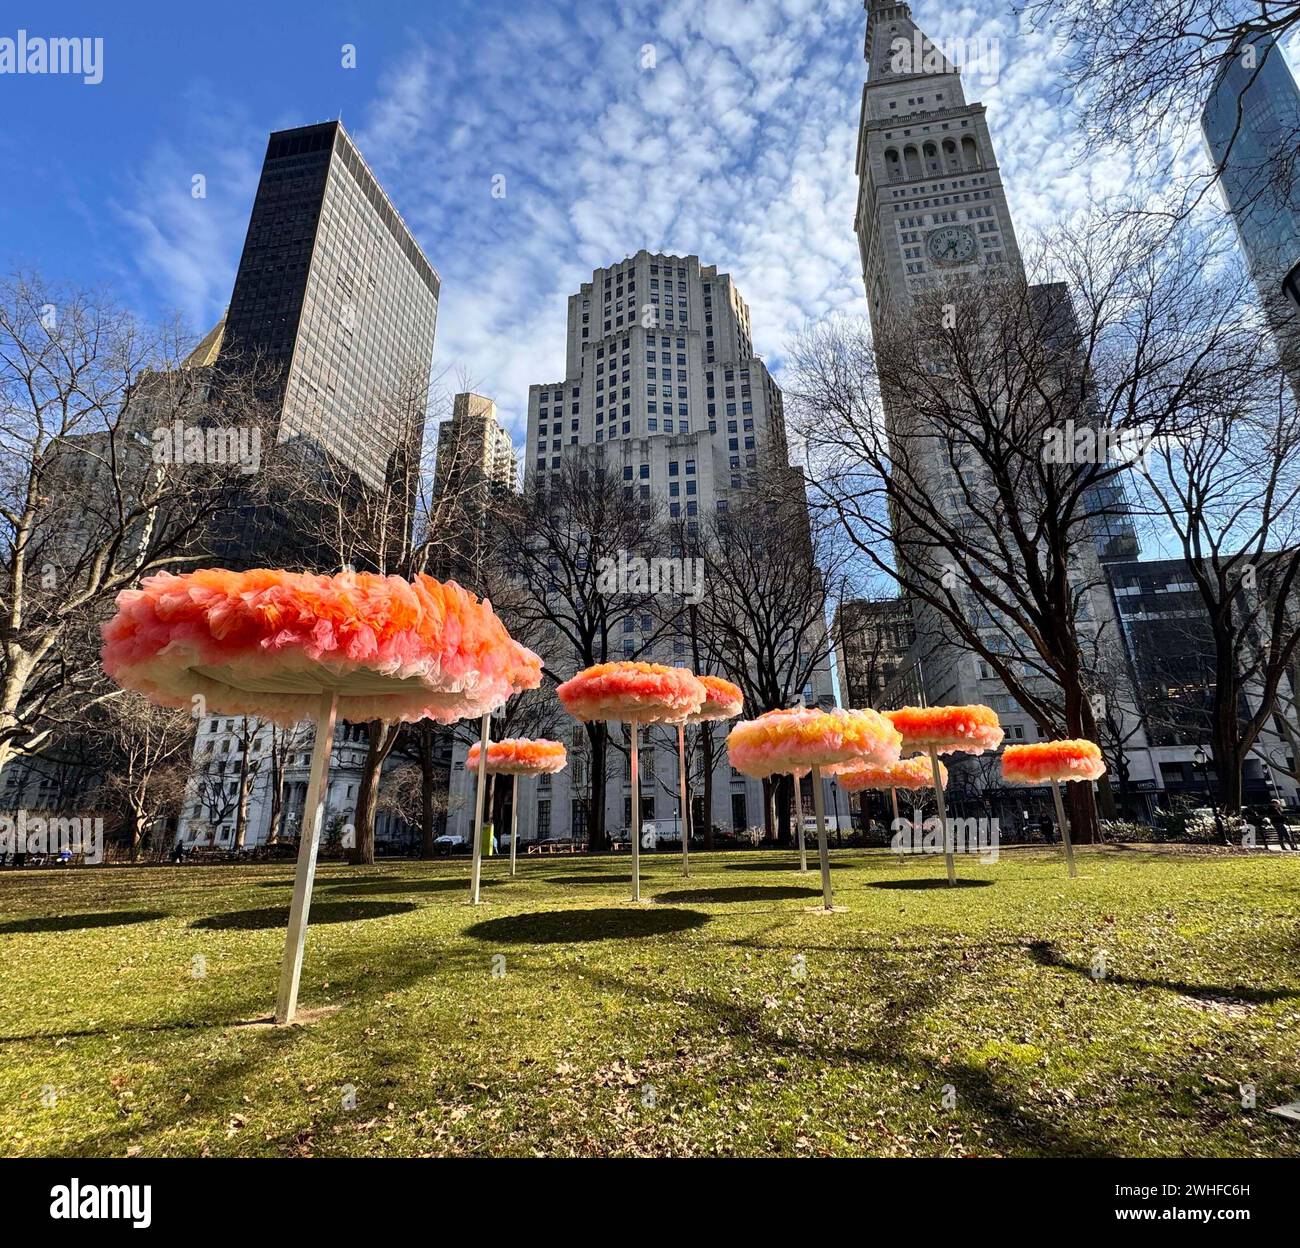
(721, 1017)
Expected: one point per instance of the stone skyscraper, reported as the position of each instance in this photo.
(932, 208)
(691, 411)
(660, 375)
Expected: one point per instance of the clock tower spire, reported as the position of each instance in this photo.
(930, 199)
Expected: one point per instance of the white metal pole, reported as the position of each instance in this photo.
(1065, 831)
(943, 819)
(309, 830)
(636, 821)
(797, 803)
(821, 838)
(681, 769)
(514, 820)
(476, 873)
(895, 829)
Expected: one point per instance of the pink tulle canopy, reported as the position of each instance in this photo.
(648, 693)
(785, 741)
(269, 643)
(723, 700)
(520, 756)
(907, 773)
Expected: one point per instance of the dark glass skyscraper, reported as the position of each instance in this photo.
(1251, 124)
(334, 293)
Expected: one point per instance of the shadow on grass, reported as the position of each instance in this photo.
(590, 877)
(750, 892)
(891, 1046)
(450, 884)
(322, 912)
(562, 927)
(1045, 953)
(917, 885)
(75, 922)
(789, 861)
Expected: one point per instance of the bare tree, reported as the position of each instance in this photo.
(554, 544)
(146, 751)
(979, 446)
(92, 403)
(1140, 72)
(418, 519)
(762, 619)
(1227, 482)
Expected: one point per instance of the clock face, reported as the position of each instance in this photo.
(952, 245)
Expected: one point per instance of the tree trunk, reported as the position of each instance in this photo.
(706, 757)
(783, 791)
(1081, 809)
(596, 735)
(382, 738)
(1106, 798)
(1225, 744)
(427, 830)
(241, 810)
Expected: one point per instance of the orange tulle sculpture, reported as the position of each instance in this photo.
(784, 741)
(520, 756)
(1055, 763)
(636, 693)
(515, 757)
(907, 773)
(289, 646)
(644, 693)
(1045, 761)
(267, 642)
(788, 741)
(722, 700)
(948, 729)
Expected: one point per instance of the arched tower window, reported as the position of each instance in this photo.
(893, 166)
(951, 157)
(931, 158)
(970, 153)
(912, 159)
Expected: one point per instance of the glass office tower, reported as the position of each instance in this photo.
(1251, 124)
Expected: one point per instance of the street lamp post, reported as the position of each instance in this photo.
(1201, 760)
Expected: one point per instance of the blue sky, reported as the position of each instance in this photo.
(737, 145)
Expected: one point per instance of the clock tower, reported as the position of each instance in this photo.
(931, 204)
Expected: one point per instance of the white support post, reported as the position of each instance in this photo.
(822, 853)
(636, 820)
(681, 770)
(796, 803)
(514, 820)
(893, 797)
(948, 859)
(476, 873)
(1065, 831)
(313, 816)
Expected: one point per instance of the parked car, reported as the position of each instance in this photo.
(449, 843)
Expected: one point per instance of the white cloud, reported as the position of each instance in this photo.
(738, 145)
